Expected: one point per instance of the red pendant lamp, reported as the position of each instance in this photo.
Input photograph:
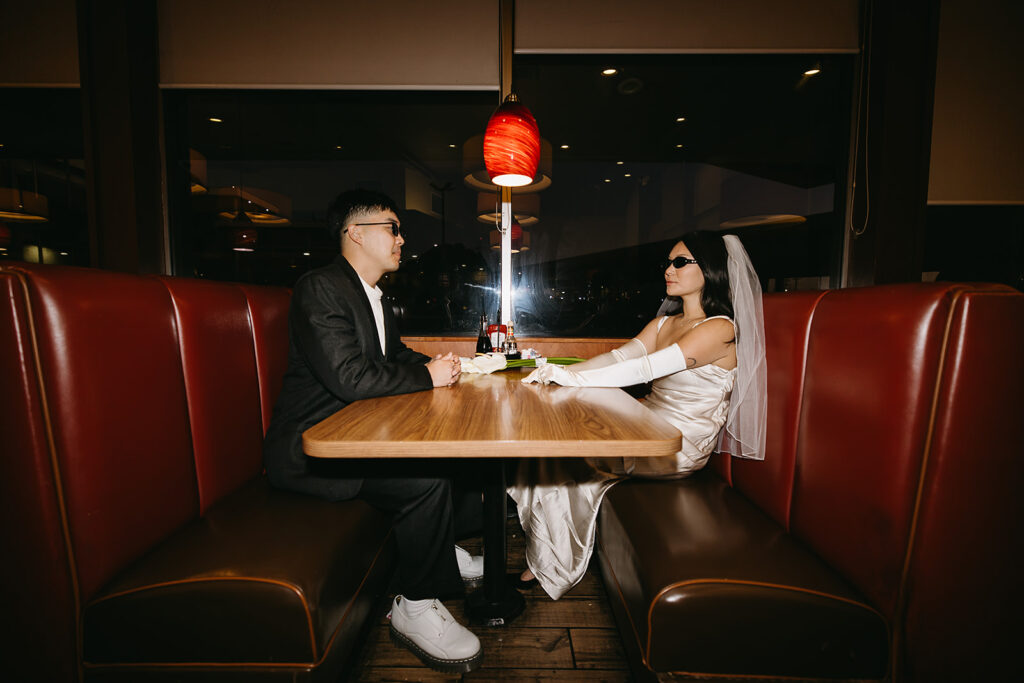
(512, 144)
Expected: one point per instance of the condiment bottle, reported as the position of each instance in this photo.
(483, 340)
(511, 347)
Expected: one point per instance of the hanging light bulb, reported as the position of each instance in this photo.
(520, 239)
(259, 206)
(525, 208)
(512, 144)
(244, 239)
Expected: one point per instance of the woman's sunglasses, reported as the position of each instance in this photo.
(677, 262)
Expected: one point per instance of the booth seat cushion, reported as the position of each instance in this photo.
(731, 592)
(266, 577)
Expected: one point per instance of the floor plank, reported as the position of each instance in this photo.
(567, 612)
(503, 648)
(516, 647)
(394, 674)
(547, 675)
(572, 639)
(597, 648)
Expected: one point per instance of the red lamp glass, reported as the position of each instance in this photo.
(512, 144)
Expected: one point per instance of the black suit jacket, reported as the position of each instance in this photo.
(334, 358)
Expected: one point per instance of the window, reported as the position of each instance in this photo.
(665, 144)
(42, 177)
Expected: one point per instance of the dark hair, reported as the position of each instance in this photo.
(708, 249)
(351, 202)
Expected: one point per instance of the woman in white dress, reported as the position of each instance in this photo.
(706, 361)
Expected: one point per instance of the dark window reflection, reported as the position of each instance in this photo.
(975, 243)
(42, 177)
(760, 151)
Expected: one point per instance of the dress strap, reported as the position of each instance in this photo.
(662, 322)
(712, 318)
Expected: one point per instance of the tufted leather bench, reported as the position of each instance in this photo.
(140, 539)
(876, 540)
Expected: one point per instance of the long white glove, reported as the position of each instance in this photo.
(634, 348)
(622, 374)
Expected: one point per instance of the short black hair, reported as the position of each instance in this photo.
(708, 249)
(351, 202)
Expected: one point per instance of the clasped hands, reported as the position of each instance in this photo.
(445, 370)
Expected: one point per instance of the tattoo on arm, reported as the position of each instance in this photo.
(690, 362)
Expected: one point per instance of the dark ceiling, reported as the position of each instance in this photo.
(752, 113)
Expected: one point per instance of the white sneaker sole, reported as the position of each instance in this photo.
(448, 666)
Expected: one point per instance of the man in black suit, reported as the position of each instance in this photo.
(343, 347)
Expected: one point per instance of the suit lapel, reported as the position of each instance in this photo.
(360, 295)
(390, 329)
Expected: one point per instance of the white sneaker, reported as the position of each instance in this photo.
(471, 567)
(435, 637)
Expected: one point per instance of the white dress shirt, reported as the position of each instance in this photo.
(374, 294)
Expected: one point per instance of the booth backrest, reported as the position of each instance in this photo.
(114, 400)
(36, 584)
(961, 578)
(872, 370)
(226, 390)
(268, 312)
(787, 335)
(106, 377)
(892, 454)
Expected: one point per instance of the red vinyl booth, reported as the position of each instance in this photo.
(876, 539)
(140, 541)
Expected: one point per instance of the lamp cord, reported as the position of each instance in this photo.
(865, 75)
(501, 54)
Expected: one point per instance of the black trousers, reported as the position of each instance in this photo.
(430, 513)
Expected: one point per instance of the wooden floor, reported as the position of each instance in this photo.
(573, 639)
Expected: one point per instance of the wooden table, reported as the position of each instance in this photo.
(494, 417)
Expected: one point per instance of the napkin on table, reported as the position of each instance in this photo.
(485, 364)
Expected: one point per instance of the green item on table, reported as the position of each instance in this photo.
(532, 362)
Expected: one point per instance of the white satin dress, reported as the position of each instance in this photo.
(558, 499)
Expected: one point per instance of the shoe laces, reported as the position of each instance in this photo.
(440, 613)
(444, 619)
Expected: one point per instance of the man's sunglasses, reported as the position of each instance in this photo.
(396, 229)
(677, 262)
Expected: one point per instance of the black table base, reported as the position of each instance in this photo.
(497, 603)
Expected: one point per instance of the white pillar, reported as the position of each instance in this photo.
(507, 313)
